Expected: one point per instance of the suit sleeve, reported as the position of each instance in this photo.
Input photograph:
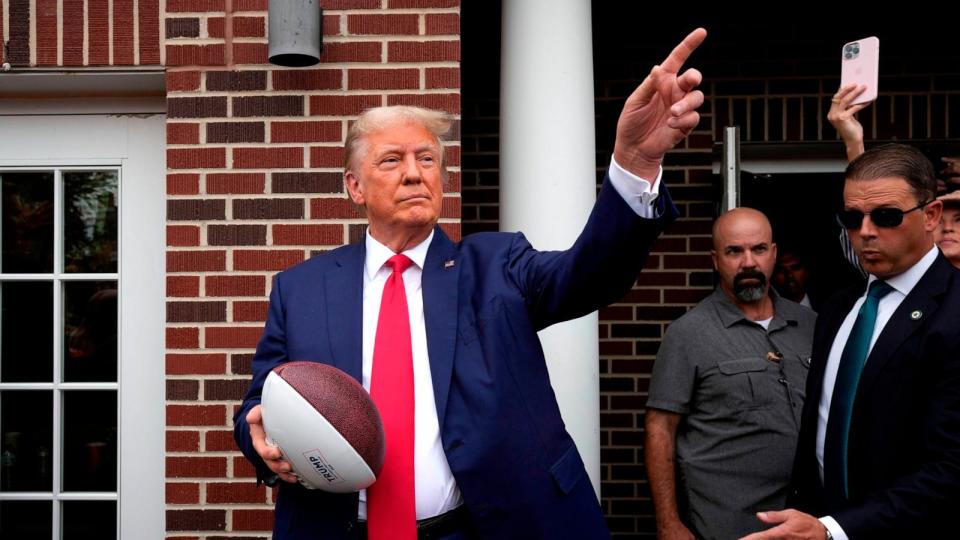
(271, 352)
(598, 269)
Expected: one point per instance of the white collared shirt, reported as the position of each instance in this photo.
(436, 488)
(902, 285)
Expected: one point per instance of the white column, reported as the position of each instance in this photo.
(548, 177)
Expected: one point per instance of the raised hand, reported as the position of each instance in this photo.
(843, 117)
(661, 112)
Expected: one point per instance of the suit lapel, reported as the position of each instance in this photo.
(441, 273)
(344, 287)
(921, 304)
(828, 322)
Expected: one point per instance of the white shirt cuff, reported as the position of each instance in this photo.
(637, 192)
(834, 528)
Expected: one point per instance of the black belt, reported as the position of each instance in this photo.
(432, 528)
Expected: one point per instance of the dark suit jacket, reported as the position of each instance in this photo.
(904, 447)
(517, 468)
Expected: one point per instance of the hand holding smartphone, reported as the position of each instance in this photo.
(860, 64)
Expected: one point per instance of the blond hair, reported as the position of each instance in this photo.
(380, 118)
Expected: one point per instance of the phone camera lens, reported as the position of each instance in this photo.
(851, 51)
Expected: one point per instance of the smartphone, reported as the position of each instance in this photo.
(860, 64)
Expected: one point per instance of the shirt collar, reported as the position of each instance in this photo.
(905, 282)
(730, 314)
(377, 254)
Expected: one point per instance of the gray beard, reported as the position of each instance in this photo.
(750, 294)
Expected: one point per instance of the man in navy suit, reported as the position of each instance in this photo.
(879, 448)
(492, 457)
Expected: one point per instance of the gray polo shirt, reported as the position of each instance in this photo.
(741, 409)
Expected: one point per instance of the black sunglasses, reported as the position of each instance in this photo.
(881, 217)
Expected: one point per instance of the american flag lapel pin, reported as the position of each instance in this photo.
(449, 264)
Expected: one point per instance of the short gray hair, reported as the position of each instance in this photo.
(380, 118)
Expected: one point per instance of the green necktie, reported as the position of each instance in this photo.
(854, 356)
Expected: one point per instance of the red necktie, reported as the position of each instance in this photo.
(391, 503)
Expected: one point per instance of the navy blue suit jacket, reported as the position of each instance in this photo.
(904, 449)
(517, 468)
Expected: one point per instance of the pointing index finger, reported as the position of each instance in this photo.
(682, 52)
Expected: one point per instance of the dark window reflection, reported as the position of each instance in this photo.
(26, 331)
(26, 520)
(90, 221)
(83, 520)
(90, 440)
(27, 222)
(26, 417)
(90, 327)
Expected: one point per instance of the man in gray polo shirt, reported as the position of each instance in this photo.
(726, 393)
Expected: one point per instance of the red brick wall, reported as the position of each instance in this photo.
(78, 33)
(254, 185)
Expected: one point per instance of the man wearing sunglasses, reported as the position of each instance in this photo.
(843, 117)
(879, 448)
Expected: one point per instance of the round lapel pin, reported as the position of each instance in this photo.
(916, 315)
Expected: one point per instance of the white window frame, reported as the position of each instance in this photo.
(76, 136)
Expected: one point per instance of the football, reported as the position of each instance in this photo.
(325, 424)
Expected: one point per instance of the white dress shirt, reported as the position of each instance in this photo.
(902, 285)
(436, 488)
(636, 191)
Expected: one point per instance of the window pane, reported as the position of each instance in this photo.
(27, 222)
(90, 440)
(26, 331)
(84, 520)
(26, 520)
(26, 421)
(90, 221)
(90, 331)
